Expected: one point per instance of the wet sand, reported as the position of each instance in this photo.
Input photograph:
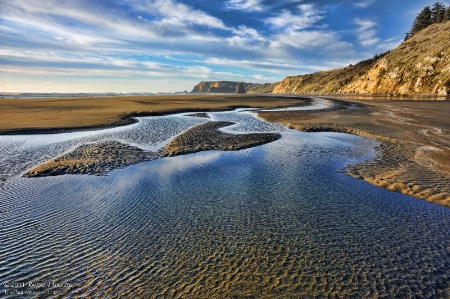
(413, 156)
(57, 115)
(102, 157)
(208, 137)
(199, 114)
(94, 159)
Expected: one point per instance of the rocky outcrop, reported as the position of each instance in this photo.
(420, 65)
(232, 87)
(259, 88)
(217, 87)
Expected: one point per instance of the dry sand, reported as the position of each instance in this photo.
(413, 156)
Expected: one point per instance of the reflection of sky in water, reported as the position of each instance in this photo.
(273, 220)
(150, 133)
(318, 103)
(246, 122)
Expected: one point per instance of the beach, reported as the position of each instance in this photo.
(217, 204)
(56, 115)
(412, 156)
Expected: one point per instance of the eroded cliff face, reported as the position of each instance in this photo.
(232, 87)
(217, 87)
(420, 65)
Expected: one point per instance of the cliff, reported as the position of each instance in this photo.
(260, 88)
(232, 87)
(420, 65)
(217, 87)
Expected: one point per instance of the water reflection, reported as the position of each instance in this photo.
(317, 104)
(273, 221)
(276, 220)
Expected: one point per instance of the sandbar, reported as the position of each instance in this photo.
(58, 115)
(207, 137)
(101, 157)
(93, 158)
(413, 155)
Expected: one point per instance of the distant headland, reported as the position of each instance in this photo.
(419, 66)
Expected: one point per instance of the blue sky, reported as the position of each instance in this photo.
(170, 45)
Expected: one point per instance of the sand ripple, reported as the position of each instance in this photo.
(94, 159)
(266, 222)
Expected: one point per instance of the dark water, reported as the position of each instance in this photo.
(276, 221)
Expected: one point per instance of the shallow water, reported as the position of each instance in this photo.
(22, 152)
(317, 103)
(275, 221)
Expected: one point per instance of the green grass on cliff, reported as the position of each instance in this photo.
(430, 48)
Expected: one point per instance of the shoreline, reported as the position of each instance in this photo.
(67, 115)
(408, 159)
(412, 157)
(205, 137)
(125, 120)
(101, 157)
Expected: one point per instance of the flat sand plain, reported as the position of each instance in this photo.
(413, 156)
(53, 115)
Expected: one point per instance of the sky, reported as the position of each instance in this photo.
(170, 45)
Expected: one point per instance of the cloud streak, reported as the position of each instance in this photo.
(306, 16)
(251, 39)
(364, 4)
(366, 32)
(250, 5)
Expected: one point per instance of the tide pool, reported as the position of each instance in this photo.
(274, 221)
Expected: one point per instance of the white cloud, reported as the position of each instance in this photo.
(260, 77)
(198, 71)
(277, 68)
(178, 13)
(248, 32)
(95, 24)
(364, 24)
(88, 38)
(298, 30)
(247, 38)
(314, 40)
(250, 5)
(366, 32)
(307, 16)
(132, 71)
(364, 4)
(266, 66)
